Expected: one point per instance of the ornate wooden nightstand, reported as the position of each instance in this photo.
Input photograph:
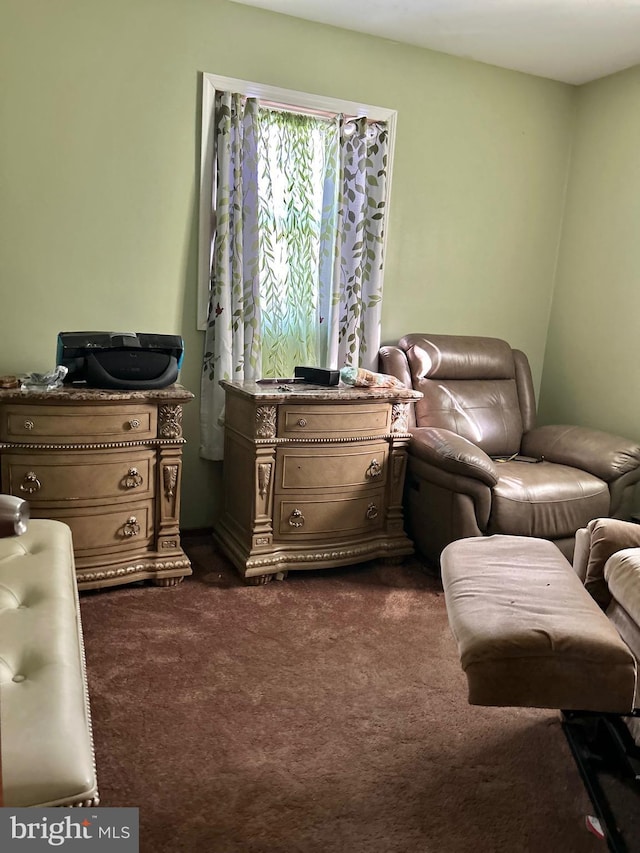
(108, 464)
(313, 477)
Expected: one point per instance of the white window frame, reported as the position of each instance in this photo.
(289, 99)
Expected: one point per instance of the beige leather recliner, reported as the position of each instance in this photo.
(477, 414)
(607, 561)
(533, 631)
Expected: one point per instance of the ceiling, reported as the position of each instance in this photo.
(574, 41)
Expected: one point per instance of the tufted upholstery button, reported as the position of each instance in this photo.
(18, 678)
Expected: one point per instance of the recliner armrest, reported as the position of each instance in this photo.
(602, 454)
(453, 453)
(622, 574)
(600, 539)
(393, 361)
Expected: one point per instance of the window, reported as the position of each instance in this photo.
(296, 153)
(294, 192)
(299, 102)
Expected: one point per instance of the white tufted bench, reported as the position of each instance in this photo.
(47, 745)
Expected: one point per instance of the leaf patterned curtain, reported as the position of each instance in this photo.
(353, 302)
(232, 339)
(297, 254)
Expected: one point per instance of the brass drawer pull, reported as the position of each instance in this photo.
(302, 422)
(131, 527)
(296, 519)
(29, 425)
(30, 483)
(133, 479)
(134, 423)
(374, 470)
(372, 512)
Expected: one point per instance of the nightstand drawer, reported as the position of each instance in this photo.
(331, 466)
(329, 517)
(74, 477)
(98, 530)
(78, 424)
(333, 421)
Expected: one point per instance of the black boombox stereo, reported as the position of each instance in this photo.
(120, 360)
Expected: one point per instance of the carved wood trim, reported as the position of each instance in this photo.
(399, 545)
(170, 478)
(400, 417)
(170, 421)
(264, 478)
(88, 576)
(266, 421)
(96, 445)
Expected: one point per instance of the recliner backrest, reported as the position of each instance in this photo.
(475, 386)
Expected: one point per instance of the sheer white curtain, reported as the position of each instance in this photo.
(297, 158)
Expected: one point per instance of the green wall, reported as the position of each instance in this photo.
(592, 364)
(99, 155)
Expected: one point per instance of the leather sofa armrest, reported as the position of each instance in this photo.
(453, 453)
(581, 552)
(604, 537)
(622, 574)
(599, 453)
(392, 360)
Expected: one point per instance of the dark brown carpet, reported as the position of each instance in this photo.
(322, 714)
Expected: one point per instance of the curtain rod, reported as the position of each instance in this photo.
(308, 111)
